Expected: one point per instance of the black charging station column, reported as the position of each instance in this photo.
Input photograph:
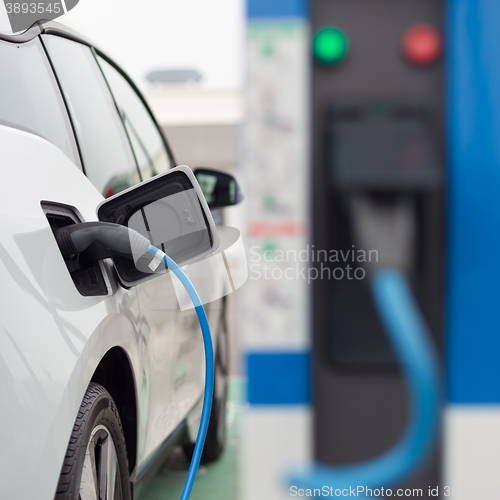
(378, 185)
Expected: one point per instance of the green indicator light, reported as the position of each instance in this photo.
(329, 45)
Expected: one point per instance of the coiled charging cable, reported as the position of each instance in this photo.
(414, 350)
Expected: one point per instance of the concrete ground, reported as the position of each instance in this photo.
(217, 481)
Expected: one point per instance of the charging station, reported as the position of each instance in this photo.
(401, 160)
(378, 169)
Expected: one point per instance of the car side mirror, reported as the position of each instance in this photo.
(220, 188)
(171, 211)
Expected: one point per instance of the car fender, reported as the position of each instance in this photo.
(51, 337)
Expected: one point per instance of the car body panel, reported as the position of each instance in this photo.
(52, 338)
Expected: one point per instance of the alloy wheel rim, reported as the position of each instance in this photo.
(101, 473)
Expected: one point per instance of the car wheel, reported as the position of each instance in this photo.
(95, 466)
(216, 433)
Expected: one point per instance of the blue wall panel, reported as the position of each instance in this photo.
(278, 378)
(473, 330)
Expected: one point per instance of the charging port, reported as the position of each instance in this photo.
(88, 277)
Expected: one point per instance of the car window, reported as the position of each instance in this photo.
(150, 152)
(107, 157)
(29, 97)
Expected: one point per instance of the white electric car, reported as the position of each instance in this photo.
(98, 381)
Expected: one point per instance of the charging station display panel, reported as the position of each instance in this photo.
(382, 147)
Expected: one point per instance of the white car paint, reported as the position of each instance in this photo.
(52, 338)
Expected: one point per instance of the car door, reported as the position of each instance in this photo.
(48, 329)
(112, 165)
(157, 297)
(178, 359)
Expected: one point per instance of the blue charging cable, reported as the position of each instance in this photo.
(115, 239)
(209, 368)
(413, 347)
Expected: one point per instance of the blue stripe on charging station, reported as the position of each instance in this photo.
(277, 8)
(473, 329)
(278, 378)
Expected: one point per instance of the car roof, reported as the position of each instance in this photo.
(53, 28)
(50, 28)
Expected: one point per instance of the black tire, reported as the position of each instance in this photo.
(215, 442)
(97, 429)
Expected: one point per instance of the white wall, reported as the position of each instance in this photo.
(142, 35)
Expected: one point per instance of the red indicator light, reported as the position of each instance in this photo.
(422, 44)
